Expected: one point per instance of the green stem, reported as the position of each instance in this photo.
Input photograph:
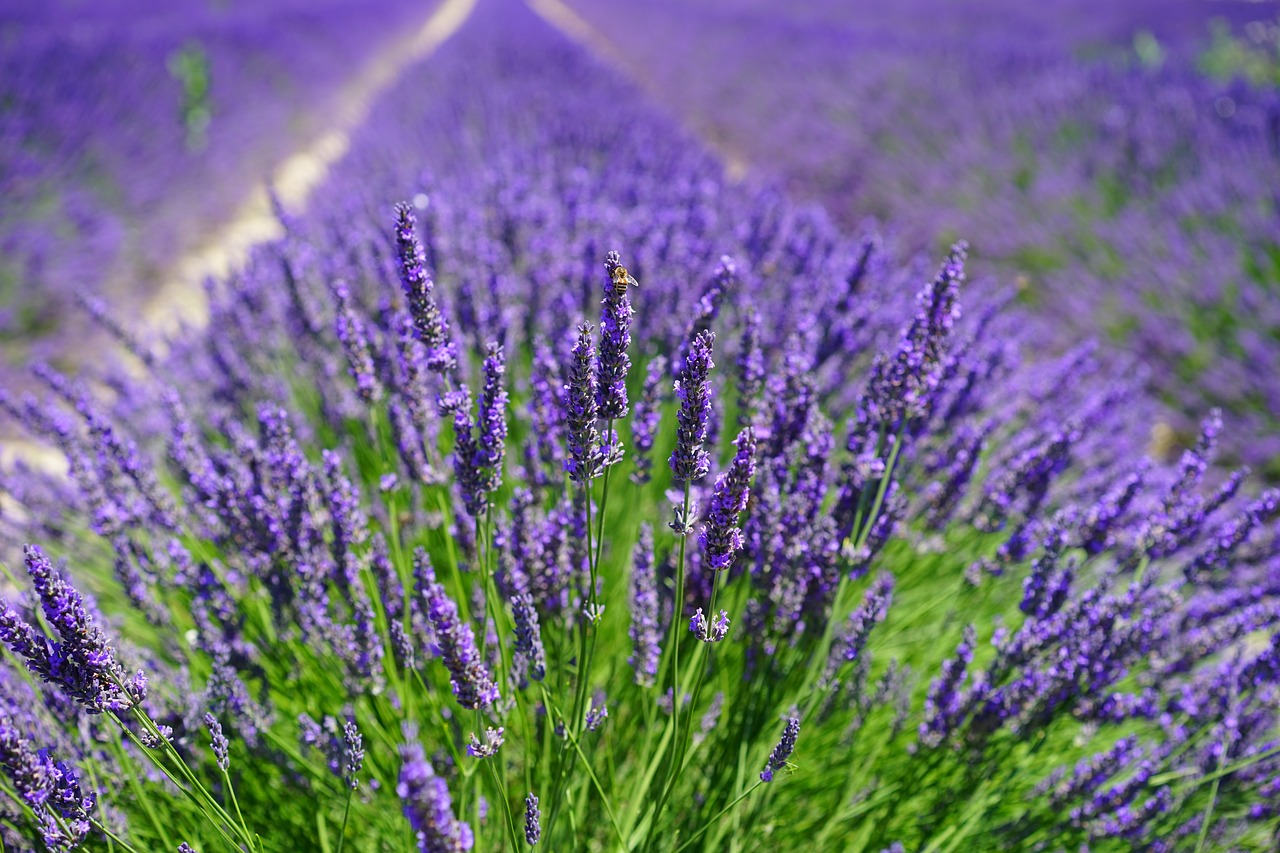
(716, 818)
(677, 619)
(346, 813)
(604, 798)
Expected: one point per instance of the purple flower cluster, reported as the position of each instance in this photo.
(690, 461)
(428, 806)
(81, 662)
(472, 685)
(786, 745)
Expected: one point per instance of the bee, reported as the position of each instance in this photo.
(622, 280)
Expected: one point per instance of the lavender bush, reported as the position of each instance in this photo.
(388, 556)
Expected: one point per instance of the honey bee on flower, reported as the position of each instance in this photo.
(622, 280)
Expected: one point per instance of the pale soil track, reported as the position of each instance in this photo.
(181, 297)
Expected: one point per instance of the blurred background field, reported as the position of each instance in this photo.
(130, 130)
(1117, 162)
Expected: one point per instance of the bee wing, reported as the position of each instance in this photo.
(631, 281)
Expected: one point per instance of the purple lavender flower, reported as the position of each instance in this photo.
(943, 699)
(544, 455)
(615, 336)
(721, 536)
(220, 745)
(644, 421)
(750, 364)
(852, 641)
(471, 683)
(25, 771)
(83, 662)
(786, 745)
(689, 461)
(428, 806)
(355, 343)
(586, 457)
(491, 421)
(466, 451)
(532, 820)
(596, 715)
(903, 385)
(530, 655)
(723, 279)
(352, 754)
(49, 788)
(1045, 589)
(428, 320)
(493, 739)
(712, 632)
(646, 632)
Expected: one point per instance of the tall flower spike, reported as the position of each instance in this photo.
(689, 461)
(491, 426)
(644, 422)
(352, 754)
(428, 321)
(428, 807)
(83, 662)
(615, 336)
(781, 752)
(528, 645)
(220, 746)
(646, 631)
(532, 820)
(349, 329)
(750, 366)
(721, 536)
(471, 683)
(585, 455)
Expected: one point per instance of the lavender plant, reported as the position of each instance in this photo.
(319, 595)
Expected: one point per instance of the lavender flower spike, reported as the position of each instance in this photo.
(689, 461)
(615, 336)
(585, 456)
(471, 683)
(428, 806)
(83, 663)
(721, 536)
(644, 423)
(220, 746)
(428, 321)
(352, 754)
(351, 334)
(492, 421)
(781, 752)
(528, 645)
(646, 631)
(532, 820)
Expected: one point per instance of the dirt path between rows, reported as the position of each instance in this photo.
(181, 298)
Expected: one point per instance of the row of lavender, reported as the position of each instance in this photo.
(776, 555)
(1133, 197)
(130, 128)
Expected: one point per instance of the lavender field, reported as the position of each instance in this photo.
(681, 426)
